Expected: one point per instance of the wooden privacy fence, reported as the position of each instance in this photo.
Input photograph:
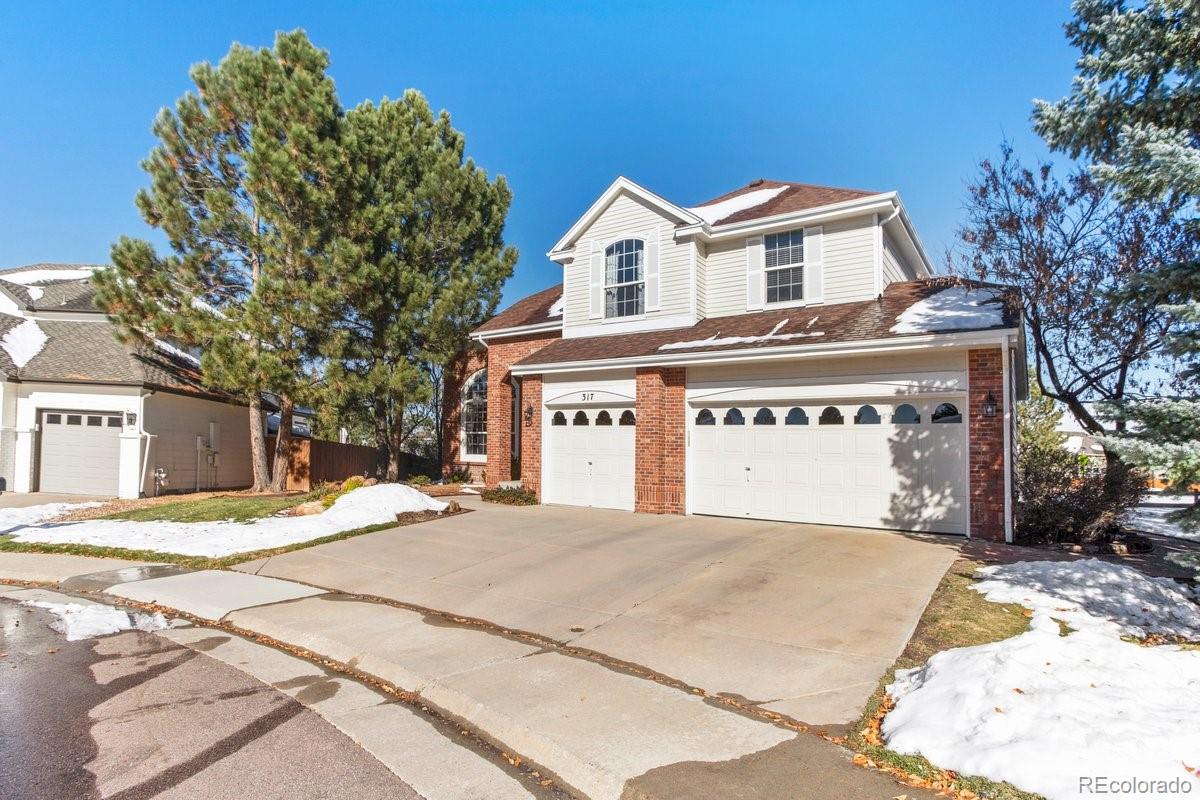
(313, 461)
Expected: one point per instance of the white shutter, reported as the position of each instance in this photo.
(814, 270)
(651, 274)
(597, 281)
(754, 273)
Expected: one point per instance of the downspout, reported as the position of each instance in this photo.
(879, 225)
(1005, 374)
(145, 438)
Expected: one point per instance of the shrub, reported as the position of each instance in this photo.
(510, 497)
(419, 480)
(1058, 498)
(459, 475)
(352, 483)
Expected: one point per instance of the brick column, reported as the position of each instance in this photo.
(502, 354)
(658, 475)
(531, 435)
(986, 443)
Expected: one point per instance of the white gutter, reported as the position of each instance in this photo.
(146, 438)
(520, 330)
(898, 344)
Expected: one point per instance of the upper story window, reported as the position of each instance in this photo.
(624, 278)
(784, 266)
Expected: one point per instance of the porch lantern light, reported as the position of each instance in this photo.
(989, 405)
(528, 414)
(130, 419)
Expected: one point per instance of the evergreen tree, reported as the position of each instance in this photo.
(240, 185)
(419, 261)
(1134, 110)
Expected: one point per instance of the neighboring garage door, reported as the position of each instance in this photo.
(875, 463)
(590, 457)
(80, 452)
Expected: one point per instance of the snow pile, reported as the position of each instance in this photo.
(24, 342)
(716, 340)
(19, 517)
(369, 505)
(31, 277)
(556, 310)
(1042, 710)
(1152, 517)
(726, 208)
(959, 308)
(79, 621)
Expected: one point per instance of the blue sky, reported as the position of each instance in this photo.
(688, 99)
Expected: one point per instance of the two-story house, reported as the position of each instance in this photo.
(780, 352)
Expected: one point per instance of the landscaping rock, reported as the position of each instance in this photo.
(311, 507)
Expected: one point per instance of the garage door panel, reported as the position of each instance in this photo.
(82, 458)
(797, 443)
(830, 443)
(590, 465)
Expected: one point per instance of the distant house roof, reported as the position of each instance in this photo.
(536, 309)
(936, 305)
(767, 198)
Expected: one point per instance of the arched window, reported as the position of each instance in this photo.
(796, 417)
(946, 412)
(580, 418)
(905, 414)
(559, 418)
(705, 417)
(830, 416)
(603, 418)
(624, 278)
(627, 418)
(867, 415)
(474, 415)
(734, 417)
(764, 417)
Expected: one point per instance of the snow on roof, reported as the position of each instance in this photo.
(172, 350)
(556, 310)
(24, 342)
(773, 336)
(954, 309)
(31, 277)
(718, 211)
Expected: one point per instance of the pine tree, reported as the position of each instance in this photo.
(241, 186)
(1134, 110)
(419, 261)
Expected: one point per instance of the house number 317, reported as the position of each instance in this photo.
(586, 396)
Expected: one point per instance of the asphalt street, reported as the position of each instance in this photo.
(133, 716)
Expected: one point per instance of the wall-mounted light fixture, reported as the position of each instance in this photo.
(528, 414)
(130, 419)
(989, 405)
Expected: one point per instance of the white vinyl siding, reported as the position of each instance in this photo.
(701, 280)
(176, 421)
(849, 257)
(894, 266)
(628, 217)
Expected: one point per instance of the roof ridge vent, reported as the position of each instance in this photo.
(757, 182)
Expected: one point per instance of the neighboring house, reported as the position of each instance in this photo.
(780, 352)
(82, 413)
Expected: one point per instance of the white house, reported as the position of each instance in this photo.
(82, 413)
(783, 351)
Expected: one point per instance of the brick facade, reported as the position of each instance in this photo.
(457, 372)
(986, 443)
(531, 435)
(659, 451)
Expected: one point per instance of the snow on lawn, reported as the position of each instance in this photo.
(23, 342)
(83, 621)
(1153, 519)
(714, 212)
(369, 505)
(1042, 710)
(954, 309)
(29, 515)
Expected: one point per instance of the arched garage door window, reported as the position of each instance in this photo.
(474, 415)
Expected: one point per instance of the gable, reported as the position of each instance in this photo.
(621, 187)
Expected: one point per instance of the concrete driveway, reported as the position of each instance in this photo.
(26, 499)
(801, 619)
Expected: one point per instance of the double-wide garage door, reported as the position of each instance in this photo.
(80, 452)
(589, 457)
(871, 464)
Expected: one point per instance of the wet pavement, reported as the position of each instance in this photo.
(133, 716)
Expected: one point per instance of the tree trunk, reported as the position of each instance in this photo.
(395, 465)
(258, 447)
(283, 445)
(382, 443)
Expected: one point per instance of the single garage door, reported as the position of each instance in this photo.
(590, 457)
(80, 452)
(878, 464)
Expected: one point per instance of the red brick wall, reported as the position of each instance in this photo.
(501, 355)
(986, 443)
(531, 436)
(659, 455)
(457, 372)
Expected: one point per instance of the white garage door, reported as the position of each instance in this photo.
(878, 464)
(589, 457)
(80, 452)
